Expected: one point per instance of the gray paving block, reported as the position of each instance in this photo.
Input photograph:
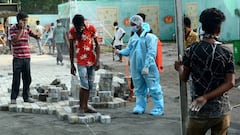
(67, 109)
(97, 116)
(106, 75)
(20, 108)
(43, 110)
(105, 99)
(100, 105)
(73, 102)
(51, 110)
(53, 95)
(27, 109)
(73, 119)
(63, 103)
(104, 93)
(61, 115)
(106, 119)
(111, 105)
(49, 99)
(91, 118)
(75, 108)
(13, 108)
(96, 99)
(64, 94)
(35, 108)
(4, 107)
(83, 119)
(54, 99)
(105, 88)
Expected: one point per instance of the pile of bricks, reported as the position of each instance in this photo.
(105, 94)
(54, 92)
(60, 109)
(56, 99)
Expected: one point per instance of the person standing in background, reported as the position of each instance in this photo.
(21, 57)
(117, 40)
(39, 32)
(59, 37)
(49, 40)
(190, 35)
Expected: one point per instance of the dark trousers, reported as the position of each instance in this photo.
(10, 44)
(59, 52)
(119, 47)
(21, 67)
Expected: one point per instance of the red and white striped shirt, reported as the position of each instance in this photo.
(21, 48)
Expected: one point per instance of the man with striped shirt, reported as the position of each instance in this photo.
(21, 57)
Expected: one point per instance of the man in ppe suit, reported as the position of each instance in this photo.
(142, 49)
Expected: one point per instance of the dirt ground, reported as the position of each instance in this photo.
(122, 121)
(170, 83)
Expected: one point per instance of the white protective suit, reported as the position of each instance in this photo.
(142, 52)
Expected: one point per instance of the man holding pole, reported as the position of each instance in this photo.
(212, 69)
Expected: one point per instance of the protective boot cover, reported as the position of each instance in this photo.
(157, 98)
(140, 104)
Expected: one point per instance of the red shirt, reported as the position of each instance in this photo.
(21, 48)
(84, 46)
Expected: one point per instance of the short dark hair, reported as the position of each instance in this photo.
(58, 21)
(78, 22)
(142, 15)
(37, 22)
(211, 20)
(187, 22)
(115, 23)
(21, 16)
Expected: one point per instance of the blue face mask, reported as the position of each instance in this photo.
(134, 28)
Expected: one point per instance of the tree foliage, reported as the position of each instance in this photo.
(38, 6)
(3, 1)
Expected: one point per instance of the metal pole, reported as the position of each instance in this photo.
(183, 86)
(70, 12)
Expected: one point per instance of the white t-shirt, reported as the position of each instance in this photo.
(39, 30)
(117, 34)
(50, 32)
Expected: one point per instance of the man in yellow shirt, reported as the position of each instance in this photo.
(3, 34)
(190, 35)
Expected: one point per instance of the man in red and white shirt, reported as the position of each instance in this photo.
(21, 57)
(87, 58)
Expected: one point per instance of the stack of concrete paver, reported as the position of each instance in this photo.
(101, 96)
(54, 92)
(105, 94)
(121, 88)
(105, 87)
(64, 103)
